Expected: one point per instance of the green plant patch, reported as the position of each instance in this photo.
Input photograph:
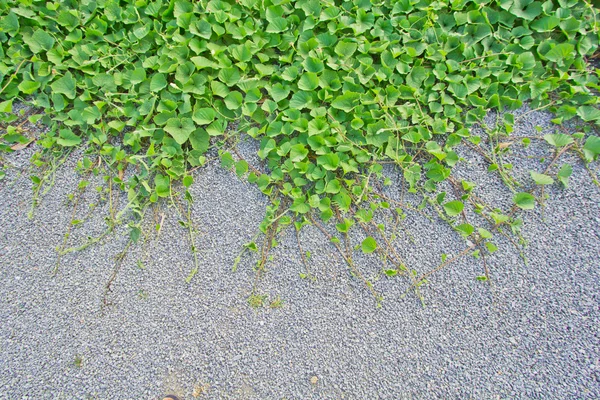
(331, 90)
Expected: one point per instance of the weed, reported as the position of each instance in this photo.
(78, 362)
(276, 303)
(256, 301)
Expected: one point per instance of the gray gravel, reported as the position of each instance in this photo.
(533, 334)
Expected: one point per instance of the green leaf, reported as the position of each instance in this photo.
(368, 245)
(6, 106)
(65, 85)
(333, 186)
(138, 75)
(591, 149)
(454, 207)
(347, 102)
(465, 229)
(200, 140)
(312, 64)
(203, 115)
(9, 23)
(241, 167)
(329, 161)
(158, 82)
(564, 173)
(484, 233)
(188, 180)
(545, 24)
(279, 92)
(588, 113)
(541, 179)
(28, 87)
(560, 52)
(180, 129)
(558, 139)
(234, 100)
(300, 100)
(67, 138)
(524, 200)
(229, 76)
(345, 48)
(163, 185)
(308, 81)
(277, 25)
(298, 153)
(134, 234)
(39, 41)
(491, 247)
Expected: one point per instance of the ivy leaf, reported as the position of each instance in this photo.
(312, 64)
(329, 161)
(541, 179)
(65, 85)
(308, 81)
(39, 41)
(591, 149)
(465, 229)
(347, 102)
(28, 87)
(277, 25)
(229, 76)
(279, 92)
(138, 75)
(345, 48)
(368, 245)
(241, 167)
(564, 173)
(203, 115)
(560, 52)
(162, 184)
(300, 100)
(588, 113)
(200, 140)
(188, 180)
(558, 139)
(67, 138)
(158, 82)
(298, 153)
(524, 200)
(10, 24)
(180, 129)
(453, 208)
(234, 100)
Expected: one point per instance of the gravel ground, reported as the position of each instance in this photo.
(532, 333)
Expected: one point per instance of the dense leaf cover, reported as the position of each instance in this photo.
(329, 88)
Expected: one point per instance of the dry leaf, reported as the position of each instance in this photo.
(21, 146)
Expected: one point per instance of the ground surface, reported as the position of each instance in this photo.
(534, 334)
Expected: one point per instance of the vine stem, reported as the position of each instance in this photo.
(348, 261)
(445, 263)
(302, 252)
(12, 77)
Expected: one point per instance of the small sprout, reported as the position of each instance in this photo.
(277, 303)
(256, 301)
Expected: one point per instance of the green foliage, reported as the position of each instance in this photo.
(524, 200)
(331, 90)
(369, 245)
